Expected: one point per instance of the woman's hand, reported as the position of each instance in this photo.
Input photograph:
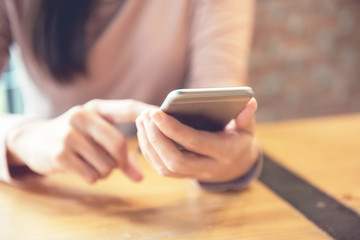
(83, 141)
(210, 156)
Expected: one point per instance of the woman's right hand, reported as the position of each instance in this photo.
(83, 141)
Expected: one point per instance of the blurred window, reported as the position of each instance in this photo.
(10, 94)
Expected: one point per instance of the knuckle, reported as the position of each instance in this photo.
(68, 136)
(61, 158)
(78, 109)
(92, 104)
(76, 113)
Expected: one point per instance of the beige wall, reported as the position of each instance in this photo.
(306, 58)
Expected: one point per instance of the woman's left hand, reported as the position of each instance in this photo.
(209, 156)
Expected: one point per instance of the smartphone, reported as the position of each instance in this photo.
(207, 109)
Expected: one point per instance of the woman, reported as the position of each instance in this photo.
(77, 51)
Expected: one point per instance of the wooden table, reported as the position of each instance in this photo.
(324, 151)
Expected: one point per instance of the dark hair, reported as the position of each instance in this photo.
(56, 30)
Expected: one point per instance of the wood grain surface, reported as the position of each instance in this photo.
(324, 151)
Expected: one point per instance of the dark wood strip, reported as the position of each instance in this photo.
(339, 221)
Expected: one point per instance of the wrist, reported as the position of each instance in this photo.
(254, 155)
(10, 146)
(239, 183)
(246, 176)
(13, 141)
(244, 164)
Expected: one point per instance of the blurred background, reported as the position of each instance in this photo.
(305, 60)
(10, 90)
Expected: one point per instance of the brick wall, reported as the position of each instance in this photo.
(306, 58)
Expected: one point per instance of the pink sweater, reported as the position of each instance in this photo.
(141, 50)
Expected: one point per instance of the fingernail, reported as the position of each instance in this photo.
(156, 116)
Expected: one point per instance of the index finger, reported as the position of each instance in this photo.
(100, 131)
(118, 111)
(111, 140)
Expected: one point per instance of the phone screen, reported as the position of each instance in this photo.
(199, 121)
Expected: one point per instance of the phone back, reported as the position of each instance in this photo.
(208, 110)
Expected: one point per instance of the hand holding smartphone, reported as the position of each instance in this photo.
(207, 108)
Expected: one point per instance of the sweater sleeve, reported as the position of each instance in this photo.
(5, 36)
(8, 121)
(220, 42)
(5, 120)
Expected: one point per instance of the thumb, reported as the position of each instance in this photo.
(118, 111)
(245, 120)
